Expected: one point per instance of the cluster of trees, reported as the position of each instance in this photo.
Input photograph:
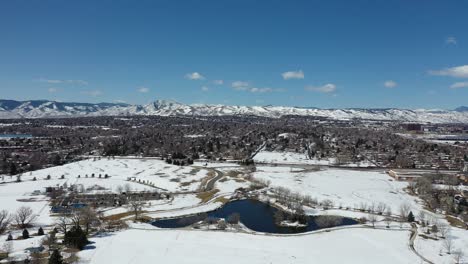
(441, 199)
(23, 218)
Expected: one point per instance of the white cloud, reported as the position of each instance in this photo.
(293, 75)
(52, 90)
(93, 93)
(81, 82)
(261, 90)
(451, 41)
(194, 76)
(143, 89)
(120, 101)
(327, 88)
(459, 72)
(205, 88)
(240, 85)
(245, 86)
(390, 84)
(218, 82)
(56, 81)
(459, 85)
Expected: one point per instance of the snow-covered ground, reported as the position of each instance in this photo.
(18, 247)
(436, 251)
(179, 246)
(349, 188)
(289, 158)
(295, 158)
(173, 178)
(163, 175)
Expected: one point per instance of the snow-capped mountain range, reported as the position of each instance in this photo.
(42, 109)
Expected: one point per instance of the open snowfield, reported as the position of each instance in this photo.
(288, 158)
(295, 158)
(178, 246)
(163, 175)
(348, 188)
(173, 178)
(343, 187)
(435, 251)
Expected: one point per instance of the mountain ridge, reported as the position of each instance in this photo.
(10, 109)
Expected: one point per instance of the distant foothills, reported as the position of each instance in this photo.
(12, 109)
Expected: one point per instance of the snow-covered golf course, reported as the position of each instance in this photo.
(347, 189)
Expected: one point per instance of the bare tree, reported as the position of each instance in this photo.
(24, 216)
(458, 256)
(7, 247)
(373, 219)
(136, 206)
(388, 221)
(389, 211)
(120, 189)
(362, 206)
(5, 220)
(88, 217)
(444, 230)
(50, 240)
(422, 217)
(381, 207)
(62, 224)
(404, 211)
(448, 244)
(127, 188)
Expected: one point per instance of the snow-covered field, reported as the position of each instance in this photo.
(163, 175)
(289, 158)
(436, 251)
(177, 246)
(173, 178)
(349, 188)
(295, 158)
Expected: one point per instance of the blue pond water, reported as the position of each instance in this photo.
(255, 215)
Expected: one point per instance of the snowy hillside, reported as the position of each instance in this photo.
(43, 109)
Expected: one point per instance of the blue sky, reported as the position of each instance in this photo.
(327, 54)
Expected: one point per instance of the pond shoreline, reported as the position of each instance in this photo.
(254, 214)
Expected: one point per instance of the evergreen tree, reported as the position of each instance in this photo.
(10, 237)
(410, 217)
(56, 257)
(13, 169)
(40, 232)
(75, 237)
(25, 234)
